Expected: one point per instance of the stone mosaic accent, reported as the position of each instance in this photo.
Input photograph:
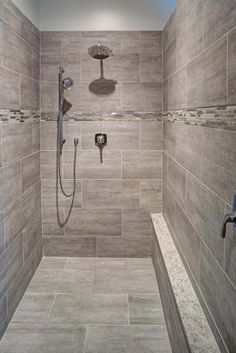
(217, 117)
(199, 335)
(109, 116)
(18, 115)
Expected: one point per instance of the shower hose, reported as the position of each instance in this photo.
(76, 141)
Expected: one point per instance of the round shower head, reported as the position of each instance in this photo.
(67, 83)
(100, 51)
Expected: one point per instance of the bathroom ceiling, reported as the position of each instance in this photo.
(69, 15)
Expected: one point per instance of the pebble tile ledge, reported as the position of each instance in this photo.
(200, 336)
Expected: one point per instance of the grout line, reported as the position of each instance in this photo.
(49, 313)
(85, 338)
(189, 173)
(128, 308)
(202, 240)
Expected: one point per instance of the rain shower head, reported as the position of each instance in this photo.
(100, 51)
(67, 83)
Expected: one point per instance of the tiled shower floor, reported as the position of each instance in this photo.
(80, 305)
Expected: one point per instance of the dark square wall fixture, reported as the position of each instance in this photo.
(171, 148)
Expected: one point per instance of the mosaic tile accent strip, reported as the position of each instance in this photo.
(127, 116)
(218, 117)
(18, 115)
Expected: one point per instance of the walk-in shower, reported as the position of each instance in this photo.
(64, 107)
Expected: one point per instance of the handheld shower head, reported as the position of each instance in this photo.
(67, 83)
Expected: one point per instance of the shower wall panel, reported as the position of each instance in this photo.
(20, 209)
(111, 212)
(110, 216)
(200, 152)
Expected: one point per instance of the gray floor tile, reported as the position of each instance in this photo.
(125, 281)
(139, 263)
(91, 263)
(145, 309)
(127, 339)
(61, 281)
(90, 309)
(43, 339)
(33, 308)
(53, 263)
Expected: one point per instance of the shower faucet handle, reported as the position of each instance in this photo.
(101, 142)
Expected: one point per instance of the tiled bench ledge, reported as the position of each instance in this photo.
(187, 325)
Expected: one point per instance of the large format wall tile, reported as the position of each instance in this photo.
(143, 45)
(169, 59)
(142, 165)
(94, 223)
(12, 44)
(219, 19)
(111, 193)
(16, 141)
(9, 97)
(151, 195)
(90, 167)
(151, 135)
(151, 67)
(189, 241)
(190, 36)
(207, 77)
(232, 67)
(18, 215)
(189, 147)
(143, 96)
(50, 65)
(49, 96)
(10, 177)
(219, 295)
(29, 94)
(32, 235)
(124, 246)
(176, 181)
(20, 237)
(3, 315)
(1, 232)
(69, 246)
(169, 205)
(177, 90)
(30, 171)
(30, 33)
(218, 169)
(11, 260)
(49, 193)
(137, 223)
(206, 212)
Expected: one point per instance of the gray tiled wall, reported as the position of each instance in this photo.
(199, 166)
(136, 66)
(20, 208)
(114, 198)
(111, 214)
